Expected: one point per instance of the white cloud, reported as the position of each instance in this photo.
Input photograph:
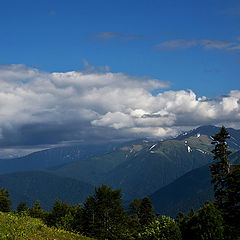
(38, 106)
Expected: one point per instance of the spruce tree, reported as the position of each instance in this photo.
(220, 167)
(146, 212)
(134, 209)
(232, 202)
(36, 210)
(22, 207)
(226, 180)
(104, 215)
(58, 212)
(5, 202)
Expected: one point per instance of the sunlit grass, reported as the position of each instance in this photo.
(17, 227)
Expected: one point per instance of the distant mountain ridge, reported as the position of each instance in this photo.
(233, 142)
(143, 167)
(44, 186)
(139, 168)
(51, 158)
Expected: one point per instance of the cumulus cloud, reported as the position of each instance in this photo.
(47, 108)
(207, 44)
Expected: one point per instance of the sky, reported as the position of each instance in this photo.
(84, 71)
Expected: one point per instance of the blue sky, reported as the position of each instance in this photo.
(57, 35)
(82, 70)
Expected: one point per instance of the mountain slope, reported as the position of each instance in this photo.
(44, 186)
(93, 169)
(233, 142)
(53, 157)
(189, 191)
(142, 167)
(158, 164)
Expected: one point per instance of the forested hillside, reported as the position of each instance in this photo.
(45, 187)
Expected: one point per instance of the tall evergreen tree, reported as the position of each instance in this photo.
(36, 210)
(226, 180)
(220, 167)
(146, 212)
(22, 207)
(134, 217)
(58, 212)
(134, 209)
(104, 215)
(232, 202)
(5, 202)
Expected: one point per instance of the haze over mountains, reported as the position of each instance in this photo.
(174, 172)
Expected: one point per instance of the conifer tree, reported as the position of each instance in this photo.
(134, 209)
(59, 211)
(36, 210)
(5, 202)
(104, 215)
(146, 212)
(22, 207)
(232, 202)
(226, 180)
(220, 167)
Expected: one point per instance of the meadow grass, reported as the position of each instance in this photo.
(18, 227)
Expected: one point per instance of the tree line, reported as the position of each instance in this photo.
(102, 215)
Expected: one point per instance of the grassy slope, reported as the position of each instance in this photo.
(24, 227)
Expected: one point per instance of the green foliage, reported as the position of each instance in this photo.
(65, 216)
(231, 211)
(36, 210)
(22, 227)
(207, 224)
(134, 216)
(134, 208)
(146, 215)
(164, 229)
(141, 215)
(5, 203)
(104, 216)
(22, 207)
(226, 180)
(58, 212)
(221, 167)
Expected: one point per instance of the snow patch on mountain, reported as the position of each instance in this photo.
(152, 147)
(189, 149)
(200, 150)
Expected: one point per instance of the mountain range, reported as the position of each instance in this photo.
(174, 172)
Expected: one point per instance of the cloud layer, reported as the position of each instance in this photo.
(207, 44)
(113, 35)
(46, 108)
